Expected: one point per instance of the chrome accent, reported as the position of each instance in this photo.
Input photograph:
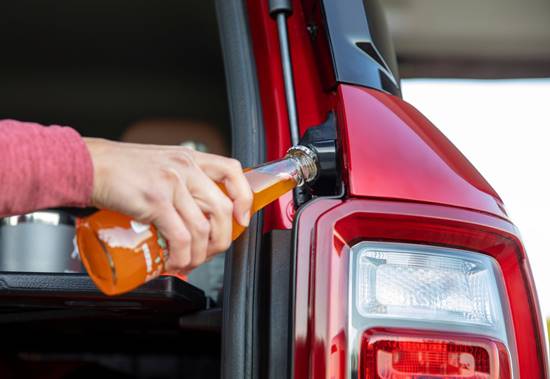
(306, 162)
(39, 241)
(41, 217)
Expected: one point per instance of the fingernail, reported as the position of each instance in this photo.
(246, 218)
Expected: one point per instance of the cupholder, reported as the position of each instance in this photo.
(39, 242)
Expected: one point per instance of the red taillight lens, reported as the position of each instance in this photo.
(401, 354)
(493, 299)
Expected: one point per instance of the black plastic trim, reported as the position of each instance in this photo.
(277, 268)
(73, 294)
(240, 332)
(323, 140)
(209, 320)
(361, 46)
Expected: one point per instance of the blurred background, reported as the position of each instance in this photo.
(480, 71)
(116, 69)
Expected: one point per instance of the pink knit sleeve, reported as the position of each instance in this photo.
(42, 167)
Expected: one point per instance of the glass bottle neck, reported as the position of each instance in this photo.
(306, 162)
(299, 165)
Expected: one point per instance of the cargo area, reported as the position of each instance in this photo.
(144, 72)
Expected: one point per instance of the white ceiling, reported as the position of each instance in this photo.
(508, 30)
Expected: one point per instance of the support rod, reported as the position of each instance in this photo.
(287, 77)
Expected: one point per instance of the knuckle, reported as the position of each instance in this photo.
(180, 242)
(144, 212)
(222, 206)
(153, 197)
(188, 151)
(170, 175)
(183, 239)
(226, 206)
(235, 165)
(224, 244)
(183, 157)
(179, 261)
(202, 228)
(221, 243)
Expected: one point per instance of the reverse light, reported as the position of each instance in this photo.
(427, 283)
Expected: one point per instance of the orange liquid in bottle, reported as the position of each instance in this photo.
(266, 188)
(121, 254)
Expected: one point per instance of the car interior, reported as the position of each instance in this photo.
(143, 72)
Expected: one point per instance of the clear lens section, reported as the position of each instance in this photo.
(428, 283)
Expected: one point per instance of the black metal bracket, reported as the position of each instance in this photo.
(322, 140)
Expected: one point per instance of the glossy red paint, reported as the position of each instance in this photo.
(313, 103)
(390, 150)
(328, 228)
(303, 315)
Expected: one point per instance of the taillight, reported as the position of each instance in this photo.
(406, 290)
(406, 354)
(451, 297)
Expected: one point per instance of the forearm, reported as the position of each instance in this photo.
(42, 168)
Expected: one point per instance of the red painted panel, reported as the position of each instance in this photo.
(392, 151)
(304, 286)
(312, 101)
(326, 230)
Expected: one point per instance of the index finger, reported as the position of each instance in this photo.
(229, 172)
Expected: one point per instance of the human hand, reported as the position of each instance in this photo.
(175, 189)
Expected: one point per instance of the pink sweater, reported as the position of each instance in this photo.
(42, 167)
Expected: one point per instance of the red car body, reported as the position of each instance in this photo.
(282, 304)
(404, 180)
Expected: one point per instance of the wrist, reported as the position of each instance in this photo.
(97, 147)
